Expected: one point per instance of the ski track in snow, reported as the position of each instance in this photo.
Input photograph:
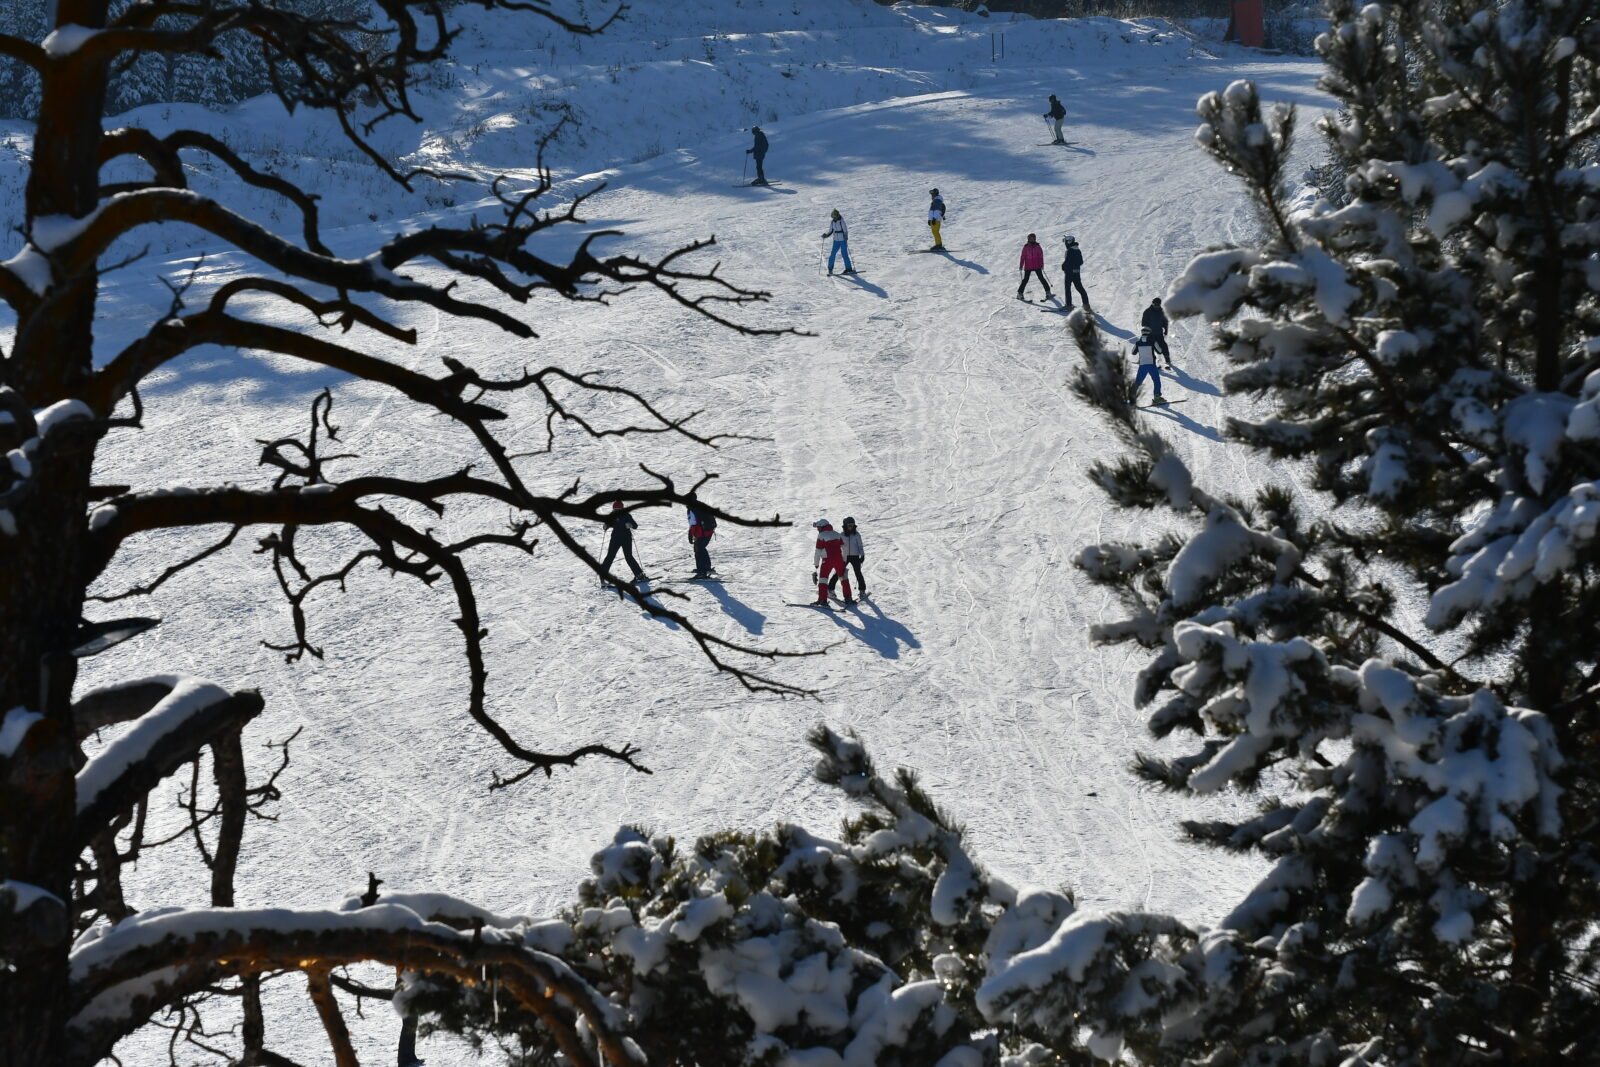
(931, 405)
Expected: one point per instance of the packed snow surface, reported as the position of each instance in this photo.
(930, 404)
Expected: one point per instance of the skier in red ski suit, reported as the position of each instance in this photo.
(829, 561)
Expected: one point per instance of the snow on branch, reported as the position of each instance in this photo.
(192, 715)
(122, 974)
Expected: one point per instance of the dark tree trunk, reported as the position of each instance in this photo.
(42, 598)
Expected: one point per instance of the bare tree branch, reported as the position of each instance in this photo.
(344, 1054)
(22, 51)
(242, 943)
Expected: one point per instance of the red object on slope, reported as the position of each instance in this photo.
(1247, 23)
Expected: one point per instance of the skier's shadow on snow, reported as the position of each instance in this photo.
(1191, 383)
(1113, 329)
(877, 631)
(1174, 415)
(967, 263)
(647, 603)
(737, 610)
(875, 290)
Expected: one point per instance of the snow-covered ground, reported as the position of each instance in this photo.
(930, 405)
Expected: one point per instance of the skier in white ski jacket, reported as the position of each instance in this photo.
(841, 242)
(854, 556)
(1144, 351)
(829, 561)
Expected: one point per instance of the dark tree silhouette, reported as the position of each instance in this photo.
(69, 824)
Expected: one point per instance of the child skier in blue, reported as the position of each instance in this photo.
(1144, 351)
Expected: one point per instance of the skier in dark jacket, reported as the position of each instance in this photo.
(622, 527)
(759, 150)
(1155, 320)
(1070, 266)
(702, 526)
(854, 556)
(1055, 115)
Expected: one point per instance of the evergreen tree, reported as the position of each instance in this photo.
(19, 83)
(1418, 677)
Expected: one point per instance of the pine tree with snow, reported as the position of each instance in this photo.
(785, 947)
(1412, 677)
(19, 82)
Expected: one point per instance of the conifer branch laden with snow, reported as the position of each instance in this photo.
(1425, 350)
(69, 824)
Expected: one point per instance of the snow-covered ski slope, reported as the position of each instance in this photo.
(930, 404)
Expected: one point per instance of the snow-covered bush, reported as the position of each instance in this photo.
(888, 946)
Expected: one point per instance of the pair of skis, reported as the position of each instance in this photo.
(828, 606)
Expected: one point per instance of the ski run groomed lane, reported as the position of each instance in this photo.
(931, 405)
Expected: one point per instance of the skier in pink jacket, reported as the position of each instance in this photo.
(1032, 263)
(829, 562)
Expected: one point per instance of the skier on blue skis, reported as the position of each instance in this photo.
(622, 526)
(1144, 351)
(841, 242)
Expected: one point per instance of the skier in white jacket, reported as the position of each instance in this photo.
(1144, 351)
(854, 556)
(841, 242)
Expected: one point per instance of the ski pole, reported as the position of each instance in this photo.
(746, 168)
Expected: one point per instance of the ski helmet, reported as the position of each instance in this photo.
(933, 192)
(1070, 240)
(835, 212)
(1032, 238)
(1145, 332)
(615, 504)
(820, 523)
(1156, 302)
(849, 522)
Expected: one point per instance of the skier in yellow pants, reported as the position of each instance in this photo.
(935, 217)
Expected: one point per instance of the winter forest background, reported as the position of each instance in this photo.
(1258, 730)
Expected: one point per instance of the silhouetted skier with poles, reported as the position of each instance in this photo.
(1055, 115)
(759, 151)
(622, 526)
